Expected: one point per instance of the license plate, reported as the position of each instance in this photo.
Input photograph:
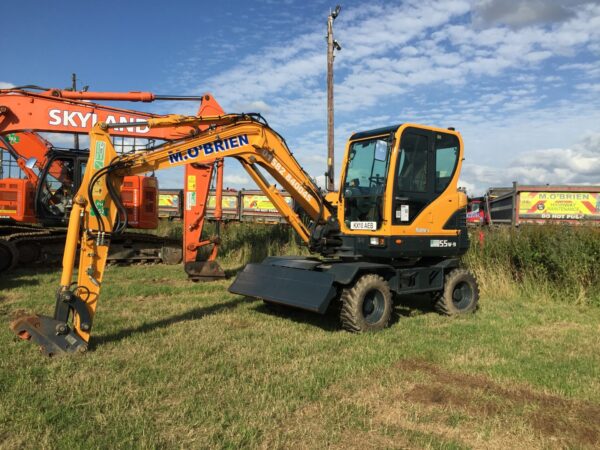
(372, 226)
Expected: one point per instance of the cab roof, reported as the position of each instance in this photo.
(376, 132)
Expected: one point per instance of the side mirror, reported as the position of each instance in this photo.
(30, 164)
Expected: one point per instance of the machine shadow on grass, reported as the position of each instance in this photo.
(328, 321)
(193, 314)
(406, 306)
(24, 277)
(413, 305)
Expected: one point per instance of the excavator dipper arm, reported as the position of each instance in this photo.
(97, 210)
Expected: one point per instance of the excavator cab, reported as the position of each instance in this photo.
(399, 187)
(426, 163)
(61, 177)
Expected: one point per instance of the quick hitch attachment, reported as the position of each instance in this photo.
(54, 335)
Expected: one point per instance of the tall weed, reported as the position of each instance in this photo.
(559, 261)
(244, 242)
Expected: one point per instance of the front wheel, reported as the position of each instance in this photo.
(460, 294)
(367, 305)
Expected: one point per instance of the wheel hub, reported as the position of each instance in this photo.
(373, 306)
(462, 295)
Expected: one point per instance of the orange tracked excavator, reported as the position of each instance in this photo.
(52, 176)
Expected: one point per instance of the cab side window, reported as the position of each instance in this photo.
(414, 176)
(412, 170)
(446, 160)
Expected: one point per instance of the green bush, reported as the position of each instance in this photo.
(565, 259)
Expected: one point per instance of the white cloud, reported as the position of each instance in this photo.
(583, 69)
(5, 85)
(579, 164)
(234, 177)
(589, 87)
(435, 47)
(66, 140)
(171, 178)
(254, 106)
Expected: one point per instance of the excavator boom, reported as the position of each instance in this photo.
(59, 111)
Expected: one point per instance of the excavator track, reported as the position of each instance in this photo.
(8, 255)
(22, 245)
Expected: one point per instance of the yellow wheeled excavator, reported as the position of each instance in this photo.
(396, 226)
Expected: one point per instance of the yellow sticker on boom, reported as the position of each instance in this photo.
(191, 183)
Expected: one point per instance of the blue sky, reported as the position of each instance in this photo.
(520, 79)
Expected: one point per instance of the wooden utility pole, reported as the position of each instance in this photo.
(332, 45)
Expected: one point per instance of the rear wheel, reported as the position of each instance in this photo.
(460, 294)
(367, 305)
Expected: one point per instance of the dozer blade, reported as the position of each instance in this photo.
(204, 271)
(54, 337)
(305, 289)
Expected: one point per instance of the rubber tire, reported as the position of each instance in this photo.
(445, 304)
(352, 298)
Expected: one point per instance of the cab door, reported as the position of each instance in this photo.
(413, 180)
(426, 164)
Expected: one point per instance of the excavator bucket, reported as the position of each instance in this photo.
(204, 271)
(54, 337)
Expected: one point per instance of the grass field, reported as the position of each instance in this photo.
(178, 364)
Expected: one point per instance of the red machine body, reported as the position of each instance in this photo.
(140, 198)
(17, 200)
